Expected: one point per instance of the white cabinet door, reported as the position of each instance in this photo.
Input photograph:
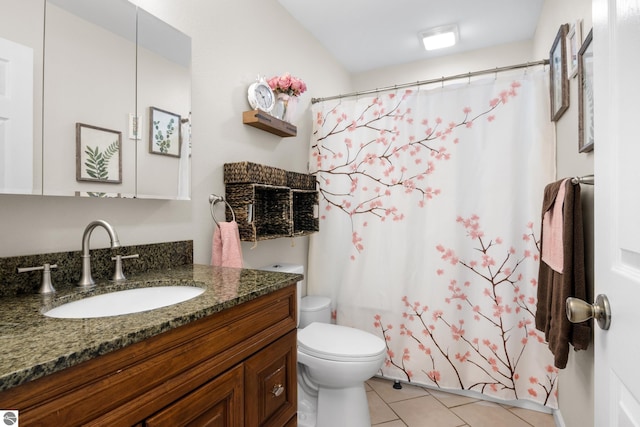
(16, 118)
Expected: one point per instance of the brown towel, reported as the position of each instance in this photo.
(554, 288)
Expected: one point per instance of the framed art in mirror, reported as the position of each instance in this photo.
(558, 74)
(98, 154)
(574, 40)
(164, 132)
(585, 95)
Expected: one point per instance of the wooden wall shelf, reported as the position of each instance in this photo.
(265, 121)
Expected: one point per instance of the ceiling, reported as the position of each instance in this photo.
(369, 34)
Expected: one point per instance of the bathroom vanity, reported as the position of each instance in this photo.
(225, 358)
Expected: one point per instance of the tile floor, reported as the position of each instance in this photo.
(420, 407)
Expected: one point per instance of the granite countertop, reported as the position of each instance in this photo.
(33, 345)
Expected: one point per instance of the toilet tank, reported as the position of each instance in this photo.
(289, 268)
(310, 308)
(314, 308)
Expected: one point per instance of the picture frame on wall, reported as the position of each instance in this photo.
(585, 96)
(164, 132)
(558, 74)
(98, 154)
(574, 42)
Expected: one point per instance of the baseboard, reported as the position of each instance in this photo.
(557, 416)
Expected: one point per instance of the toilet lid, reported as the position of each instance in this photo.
(341, 343)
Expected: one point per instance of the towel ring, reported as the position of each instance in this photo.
(213, 199)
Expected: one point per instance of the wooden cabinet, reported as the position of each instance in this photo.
(219, 403)
(233, 368)
(271, 390)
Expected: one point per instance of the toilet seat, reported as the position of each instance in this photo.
(339, 343)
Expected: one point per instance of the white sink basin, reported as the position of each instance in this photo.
(125, 302)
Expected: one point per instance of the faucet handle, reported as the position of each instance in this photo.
(118, 274)
(46, 286)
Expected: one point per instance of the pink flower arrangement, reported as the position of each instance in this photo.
(287, 84)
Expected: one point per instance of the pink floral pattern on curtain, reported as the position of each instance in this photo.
(429, 234)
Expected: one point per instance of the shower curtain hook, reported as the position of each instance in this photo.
(496, 75)
(469, 78)
(442, 83)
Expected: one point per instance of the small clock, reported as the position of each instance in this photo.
(261, 96)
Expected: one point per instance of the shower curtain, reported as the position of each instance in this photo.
(429, 235)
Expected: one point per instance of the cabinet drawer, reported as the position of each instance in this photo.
(270, 384)
(217, 403)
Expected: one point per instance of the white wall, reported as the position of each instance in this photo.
(233, 42)
(576, 396)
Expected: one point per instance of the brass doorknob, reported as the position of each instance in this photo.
(579, 311)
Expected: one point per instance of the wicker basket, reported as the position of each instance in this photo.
(301, 181)
(305, 212)
(246, 172)
(262, 211)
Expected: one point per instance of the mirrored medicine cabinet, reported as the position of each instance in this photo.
(95, 101)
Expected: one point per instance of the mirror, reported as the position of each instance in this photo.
(90, 78)
(115, 101)
(21, 54)
(164, 107)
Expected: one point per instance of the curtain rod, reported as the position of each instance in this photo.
(441, 79)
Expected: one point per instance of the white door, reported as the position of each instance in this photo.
(616, 37)
(16, 117)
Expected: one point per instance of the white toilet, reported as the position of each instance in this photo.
(333, 363)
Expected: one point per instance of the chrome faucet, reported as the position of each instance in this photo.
(86, 281)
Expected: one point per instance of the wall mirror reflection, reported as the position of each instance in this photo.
(21, 55)
(105, 62)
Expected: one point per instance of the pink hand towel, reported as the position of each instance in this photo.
(226, 250)
(552, 238)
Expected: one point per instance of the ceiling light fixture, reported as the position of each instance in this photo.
(439, 37)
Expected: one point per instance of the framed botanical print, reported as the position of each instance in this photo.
(558, 74)
(98, 154)
(164, 132)
(585, 95)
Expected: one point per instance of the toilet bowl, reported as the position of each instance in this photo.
(334, 361)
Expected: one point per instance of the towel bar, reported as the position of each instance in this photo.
(213, 199)
(587, 179)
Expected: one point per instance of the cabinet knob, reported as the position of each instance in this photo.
(277, 390)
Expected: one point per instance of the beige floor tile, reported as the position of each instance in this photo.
(487, 414)
(426, 412)
(535, 418)
(379, 411)
(385, 390)
(451, 400)
(396, 423)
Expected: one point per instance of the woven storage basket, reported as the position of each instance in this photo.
(262, 211)
(246, 172)
(305, 212)
(301, 181)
